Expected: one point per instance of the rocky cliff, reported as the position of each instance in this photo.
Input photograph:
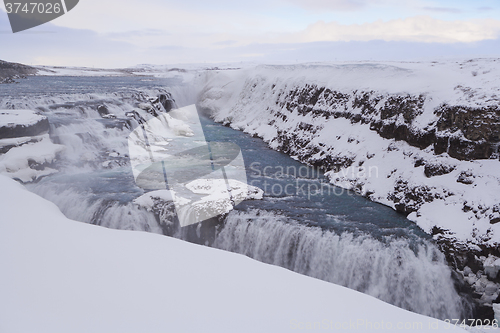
(420, 137)
(465, 133)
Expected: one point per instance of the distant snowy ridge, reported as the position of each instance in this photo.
(62, 276)
(408, 135)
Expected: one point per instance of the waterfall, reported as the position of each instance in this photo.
(414, 277)
(418, 279)
(85, 207)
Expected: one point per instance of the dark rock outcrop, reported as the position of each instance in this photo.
(116, 123)
(166, 101)
(6, 148)
(466, 177)
(464, 133)
(437, 169)
(7, 80)
(103, 110)
(10, 71)
(135, 115)
(408, 198)
(19, 130)
(156, 105)
(467, 133)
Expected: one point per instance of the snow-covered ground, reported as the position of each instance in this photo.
(78, 71)
(59, 275)
(289, 107)
(186, 72)
(19, 117)
(29, 150)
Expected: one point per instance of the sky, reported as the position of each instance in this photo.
(123, 33)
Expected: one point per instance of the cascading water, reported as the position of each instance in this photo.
(95, 185)
(86, 207)
(414, 279)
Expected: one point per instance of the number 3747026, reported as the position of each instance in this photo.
(33, 7)
(471, 322)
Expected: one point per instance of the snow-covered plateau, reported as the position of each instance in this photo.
(422, 138)
(60, 275)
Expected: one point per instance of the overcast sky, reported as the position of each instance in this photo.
(119, 33)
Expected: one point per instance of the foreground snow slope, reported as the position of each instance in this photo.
(63, 276)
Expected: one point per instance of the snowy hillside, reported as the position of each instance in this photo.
(419, 137)
(63, 276)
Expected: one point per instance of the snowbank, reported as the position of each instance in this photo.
(63, 276)
(30, 159)
(21, 123)
(19, 117)
(26, 150)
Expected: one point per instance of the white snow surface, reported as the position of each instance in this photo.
(39, 149)
(147, 200)
(242, 98)
(78, 71)
(184, 72)
(61, 276)
(19, 117)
